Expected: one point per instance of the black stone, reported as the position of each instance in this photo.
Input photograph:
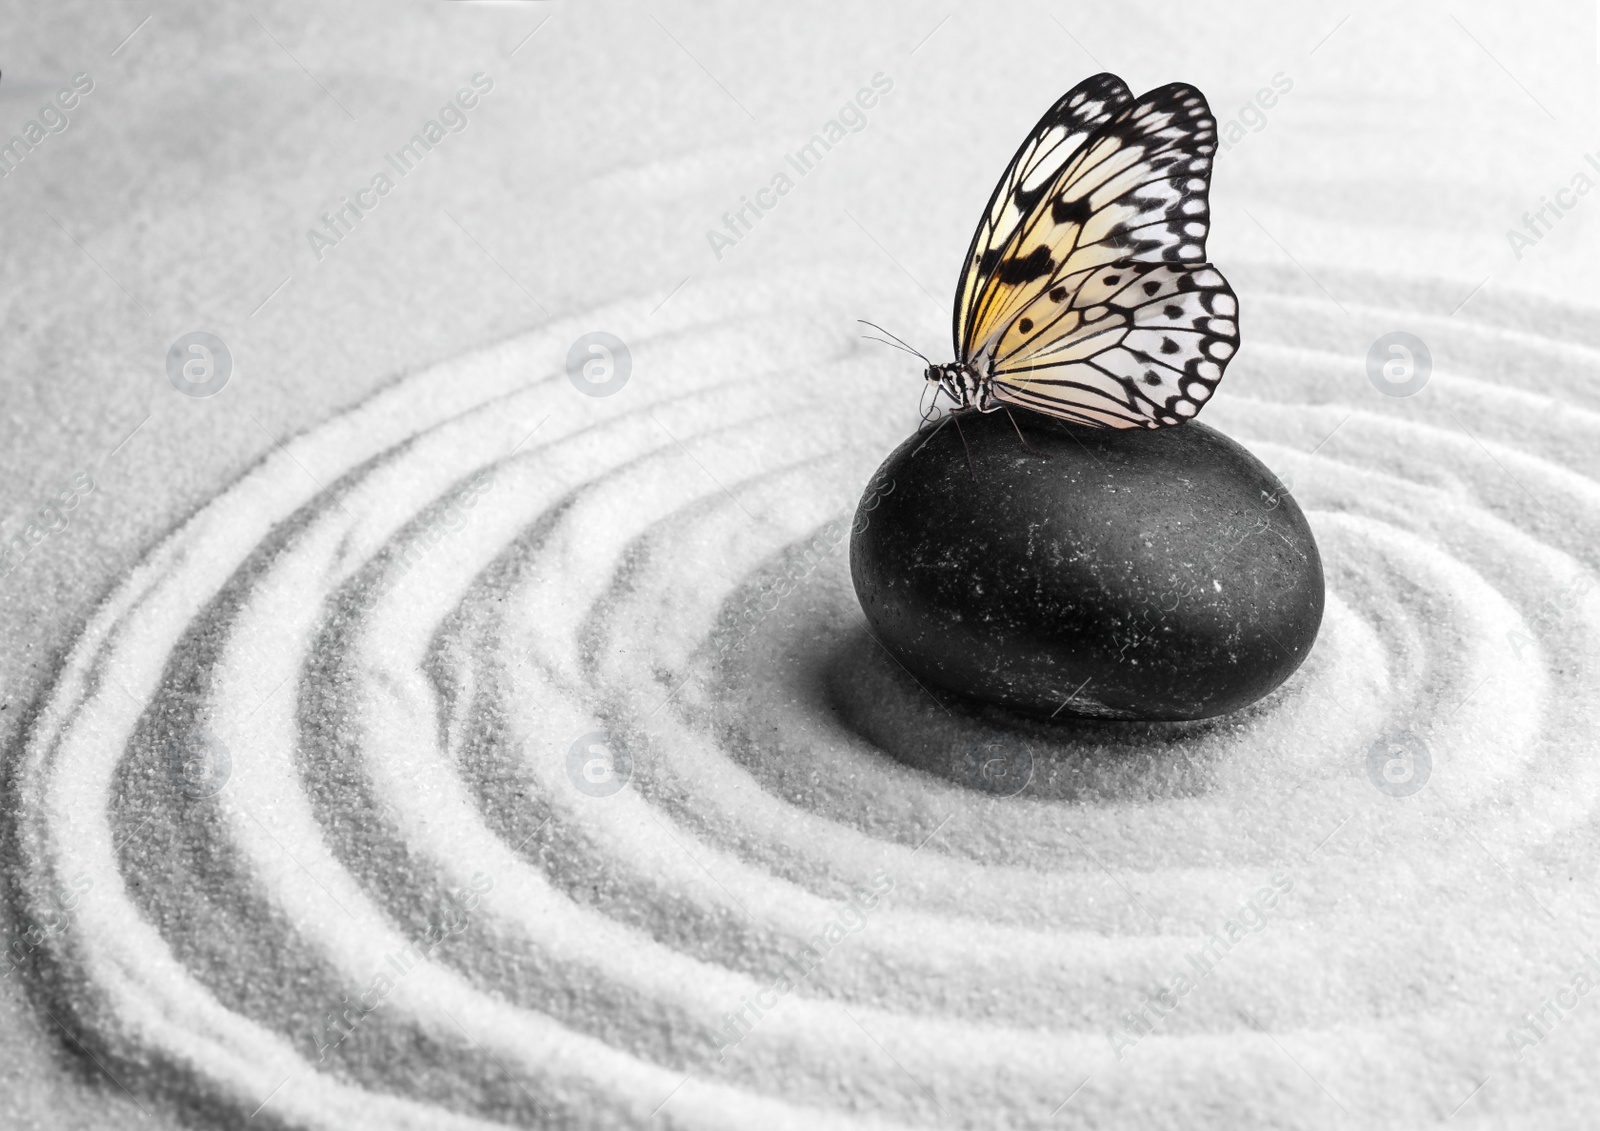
(1127, 574)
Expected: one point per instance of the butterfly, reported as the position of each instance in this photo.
(1086, 294)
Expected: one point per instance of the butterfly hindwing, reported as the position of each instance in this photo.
(1135, 192)
(1127, 345)
(1053, 142)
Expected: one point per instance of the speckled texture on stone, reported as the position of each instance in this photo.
(1124, 574)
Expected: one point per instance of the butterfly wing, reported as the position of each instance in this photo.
(1100, 307)
(1130, 345)
(1032, 172)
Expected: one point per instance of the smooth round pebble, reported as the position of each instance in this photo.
(1161, 574)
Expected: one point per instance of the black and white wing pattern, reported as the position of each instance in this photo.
(1129, 345)
(1100, 307)
(1032, 172)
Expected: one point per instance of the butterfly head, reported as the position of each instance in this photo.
(958, 381)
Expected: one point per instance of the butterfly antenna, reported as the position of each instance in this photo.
(895, 340)
(894, 345)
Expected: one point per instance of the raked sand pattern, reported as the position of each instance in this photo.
(495, 755)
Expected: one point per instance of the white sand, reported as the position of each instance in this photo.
(390, 631)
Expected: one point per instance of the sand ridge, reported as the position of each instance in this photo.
(443, 748)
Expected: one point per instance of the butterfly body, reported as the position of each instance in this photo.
(965, 385)
(1085, 294)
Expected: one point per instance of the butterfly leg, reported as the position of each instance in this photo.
(1020, 436)
(931, 416)
(973, 470)
(933, 433)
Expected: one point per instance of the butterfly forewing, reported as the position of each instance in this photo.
(1136, 189)
(1134, 345)
(1066, 313)
(1027, 181)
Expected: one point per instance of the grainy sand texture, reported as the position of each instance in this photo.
(401, 738)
